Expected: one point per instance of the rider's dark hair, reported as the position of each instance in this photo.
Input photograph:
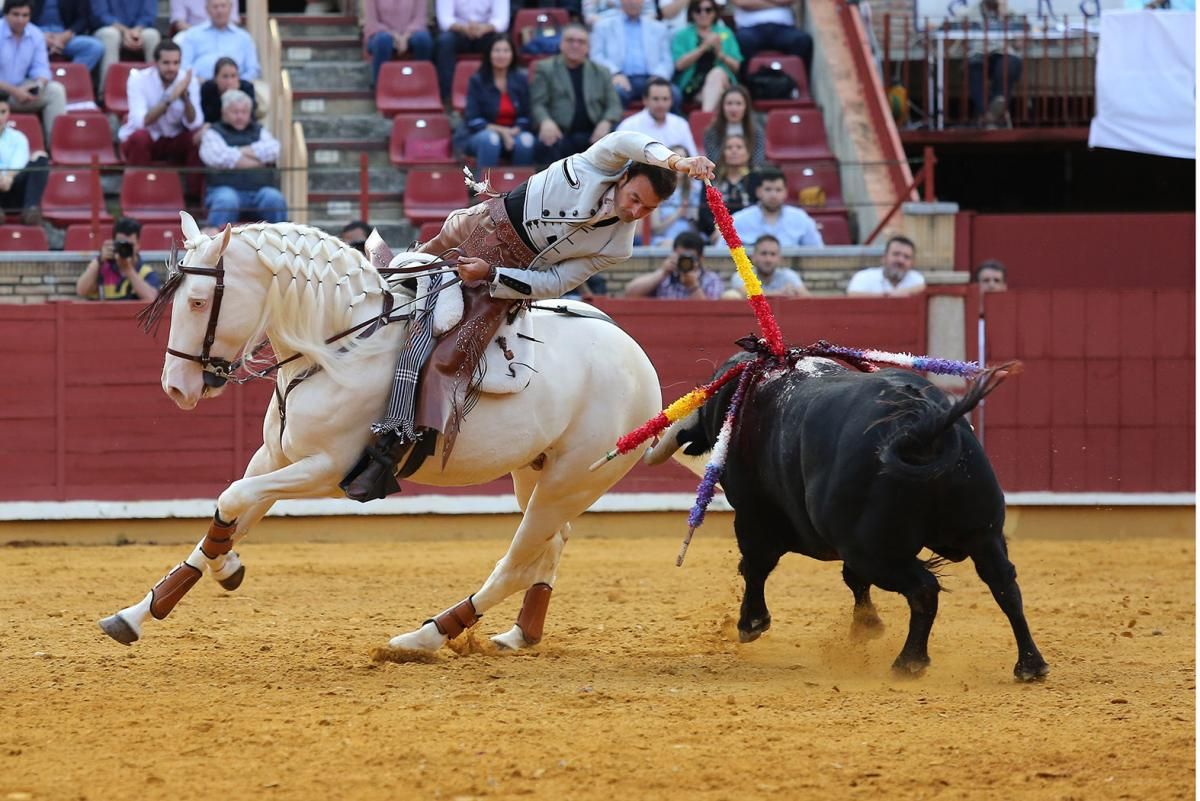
(662, 180)
(127, 226)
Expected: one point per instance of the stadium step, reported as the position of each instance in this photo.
(317, 103)
(351, 126)
(332, 26)
(297, 52)
(331, 76)
(323, 178)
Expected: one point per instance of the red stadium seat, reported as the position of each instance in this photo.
(78, 137)
(430, 194)
(420, 139)
(699, 121)
(834, 227)
(528, 20)
(506, 179)
(80, 238)
(76, 79)
(428, 231)
(31, 126)
(803, 176)
(158, 236)
(796, 135)
(463, 70)
(70, 195)
(151, 195)
(116, 101)
(793, 66)
(23, 237)
(407, 86)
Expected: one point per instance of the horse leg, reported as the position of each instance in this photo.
(991, 563)
(245, 497)
(531, 620)
(227, 568)
(866, 622)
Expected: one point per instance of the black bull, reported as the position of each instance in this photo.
(867, 468)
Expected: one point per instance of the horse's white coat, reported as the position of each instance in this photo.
(593, 384)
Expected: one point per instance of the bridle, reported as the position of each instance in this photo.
(219, 371)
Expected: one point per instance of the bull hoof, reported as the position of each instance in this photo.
(232, 582)
(755, 630)
(909, 667)
(116, 627)
(866, 625)
(1031, 671)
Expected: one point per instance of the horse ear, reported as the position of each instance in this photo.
(191, 231)
(228, 232)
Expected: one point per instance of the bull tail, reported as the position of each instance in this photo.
(925, 443)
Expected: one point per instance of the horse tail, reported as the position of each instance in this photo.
(926, 443)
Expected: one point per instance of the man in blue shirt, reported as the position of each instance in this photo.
(25, 66)
(790, 225)
(126, 25)
(66, 24)
(205, 43)
(634, 48)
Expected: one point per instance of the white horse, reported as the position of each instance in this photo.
(298, 287)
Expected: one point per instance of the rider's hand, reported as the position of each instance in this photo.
(473, 269)
(698, 167)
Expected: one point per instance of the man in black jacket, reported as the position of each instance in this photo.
(66, 25)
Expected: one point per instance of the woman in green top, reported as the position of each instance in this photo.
(707, 56)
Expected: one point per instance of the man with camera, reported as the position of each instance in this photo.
(682, 275)
(117, 273)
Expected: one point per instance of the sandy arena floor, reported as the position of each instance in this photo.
(640, 689)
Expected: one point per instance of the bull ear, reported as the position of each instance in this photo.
(191, 231)
(228, 232)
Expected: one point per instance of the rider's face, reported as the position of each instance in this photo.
(635, 199)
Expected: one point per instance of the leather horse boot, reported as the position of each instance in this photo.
(373, 476)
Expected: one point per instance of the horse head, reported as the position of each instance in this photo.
(216, 307)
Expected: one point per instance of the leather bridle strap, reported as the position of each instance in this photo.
(220, 368)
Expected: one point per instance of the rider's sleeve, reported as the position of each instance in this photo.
(552, 282)
(618, 148)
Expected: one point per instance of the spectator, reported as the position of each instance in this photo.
(682, 275)
(735, 117)
(635, 49)
(596, 11)
(791, 225)
(771, 25)
(707, 56)
(677, 213)
(595, 287)
(203, 44)
(734, 182)
(896, 278)
(65, 24)
(225, 77)
(1003, 64)
(237, 151)
(574, 103)
(657, 121)
(496, 122)
(991, 275)
(467, 26)
(776, 280)
(118, 273)
(355, 233)
(22, 174)
(164, 110)
(190, 13)
(126, 25)
(25, 66)
(396, 28)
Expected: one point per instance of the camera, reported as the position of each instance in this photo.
(685, 264)
(123, 248)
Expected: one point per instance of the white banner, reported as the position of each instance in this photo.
(1048, 11)
(1146, 83)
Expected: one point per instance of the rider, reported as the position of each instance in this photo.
(572, 219)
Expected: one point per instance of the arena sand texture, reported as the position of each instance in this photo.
(640, 689)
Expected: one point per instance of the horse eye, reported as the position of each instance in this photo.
(199, 303)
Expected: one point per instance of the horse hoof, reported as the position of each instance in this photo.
(512, 640)
(1031, 672)
(116, 627)
(232, 582)
(427, 638)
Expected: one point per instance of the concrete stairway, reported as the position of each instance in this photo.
(334, 103)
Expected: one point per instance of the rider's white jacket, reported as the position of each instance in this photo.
(563, 204)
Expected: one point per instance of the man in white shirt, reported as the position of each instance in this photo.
(23, 175)
(790, 225)
(466, 26)
(657, 121)
(896, 278)
(775, 279)
(164, 110)
(771, 25)
(237, 151)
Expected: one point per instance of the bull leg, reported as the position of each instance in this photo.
(920, 588)
(866, 621)
(758, 560)
(992, 565)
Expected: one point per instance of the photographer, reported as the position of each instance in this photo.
(117, 273)
(682, 275)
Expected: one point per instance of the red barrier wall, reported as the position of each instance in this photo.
(1106, 402)
(1095, 251)
(82, 415)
